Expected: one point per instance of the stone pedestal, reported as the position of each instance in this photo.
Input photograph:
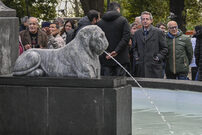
(65, 106)
(9, 44)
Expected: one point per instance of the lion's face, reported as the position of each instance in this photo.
(98, 42)
(93, 39)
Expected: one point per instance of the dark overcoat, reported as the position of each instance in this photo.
(198, 54)
(117, 31)
(147, 49)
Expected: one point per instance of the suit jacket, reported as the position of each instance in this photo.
(42, 38)
(148, 48)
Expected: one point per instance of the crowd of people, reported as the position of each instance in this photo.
(143, 49)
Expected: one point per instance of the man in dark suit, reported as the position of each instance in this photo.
(149, 49)
(117, 31)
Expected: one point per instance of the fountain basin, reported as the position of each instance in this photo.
(179, 101)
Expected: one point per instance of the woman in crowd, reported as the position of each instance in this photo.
(21, 47)
(67, 32)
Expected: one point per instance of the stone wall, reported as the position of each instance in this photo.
(65, 106)
(9, 31)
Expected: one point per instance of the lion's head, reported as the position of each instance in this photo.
(93, 39)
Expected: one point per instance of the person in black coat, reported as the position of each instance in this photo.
(92, 18)
(198, 51)
(117, 31)
(24, 23)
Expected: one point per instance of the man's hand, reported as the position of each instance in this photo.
(156, 58)
(113, 54)
(47, 30)
(28, 46)
(136, 58)
(54, 33)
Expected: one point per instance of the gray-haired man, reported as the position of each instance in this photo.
(33, 37)
(149, 49)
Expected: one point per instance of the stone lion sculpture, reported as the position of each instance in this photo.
(79, 58)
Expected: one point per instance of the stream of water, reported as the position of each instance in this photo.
(170, 131)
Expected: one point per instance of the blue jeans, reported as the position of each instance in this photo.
(182, 78)
(178, 76)
(196, 78)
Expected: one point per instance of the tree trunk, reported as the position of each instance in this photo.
(177, 7)
(77, 13)
(27, 8)
(92, 4)
(108, 2)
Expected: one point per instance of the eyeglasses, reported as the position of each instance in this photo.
(174, 27)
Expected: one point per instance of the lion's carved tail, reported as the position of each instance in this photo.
(26, 63)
